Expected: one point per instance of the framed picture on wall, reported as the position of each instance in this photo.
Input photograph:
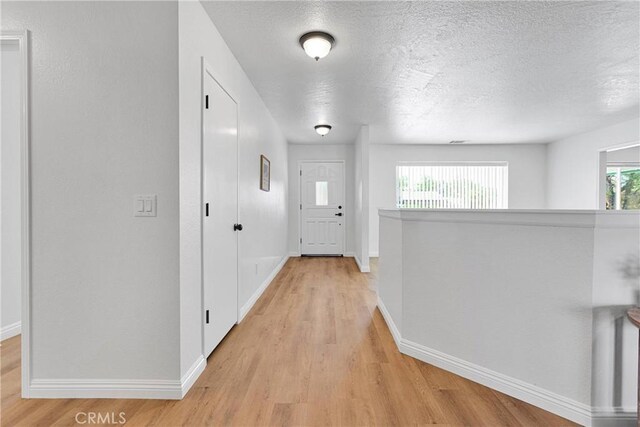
(265, 174)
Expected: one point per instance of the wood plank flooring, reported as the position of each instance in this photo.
(313, 351)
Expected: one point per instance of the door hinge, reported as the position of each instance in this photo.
(206, 102)
(301, 240)
(207, 316)
(206, 209)
(300, 206)
(300, 172)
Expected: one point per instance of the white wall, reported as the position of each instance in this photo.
(527, 173)
(390, 273)
(114, 296)
(104, 123)
(263, 242)
(616, 278)
(298, 152)
(10, 265)
(531, 303)
(626, 155)
(573, 165)
(361, 205)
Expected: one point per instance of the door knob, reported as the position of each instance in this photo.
(339, 214)
(237, 227)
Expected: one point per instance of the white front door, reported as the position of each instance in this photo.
(322, 208)
(220, 212)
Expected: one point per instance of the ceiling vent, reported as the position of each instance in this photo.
(459, 141)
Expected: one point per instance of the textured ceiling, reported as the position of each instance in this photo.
(430, 72)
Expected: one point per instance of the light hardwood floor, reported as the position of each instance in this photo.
(313, 351)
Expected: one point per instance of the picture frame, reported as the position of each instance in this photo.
(265, 173)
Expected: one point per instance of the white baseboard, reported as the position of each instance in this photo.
(10, 331)
(105, 389)
(537, 396)
(390, 323)
(373, 255)
(117, 389)
(363, 268)
(258, 293)
(294, 254)
(559, 405)
(607, 417)
(190, 377)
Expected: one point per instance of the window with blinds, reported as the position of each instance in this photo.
(452, 185)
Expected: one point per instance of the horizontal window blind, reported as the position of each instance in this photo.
(452, 186)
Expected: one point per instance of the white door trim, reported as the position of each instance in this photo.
(22, 38)
(344, 195)
(208, 69)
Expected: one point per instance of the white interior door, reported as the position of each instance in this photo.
(322, 208)
(220, 205)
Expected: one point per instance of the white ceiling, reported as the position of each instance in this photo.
(431, 72)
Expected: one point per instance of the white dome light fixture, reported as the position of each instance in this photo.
(322, 130)
(317, 44)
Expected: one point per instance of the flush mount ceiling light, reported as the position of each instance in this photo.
(317, 44)
(322, 129)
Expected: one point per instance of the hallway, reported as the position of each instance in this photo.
(314, 350)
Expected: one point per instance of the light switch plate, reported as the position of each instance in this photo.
(145, 205)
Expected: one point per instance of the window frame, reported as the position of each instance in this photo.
(494, 163)
(618, 194)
